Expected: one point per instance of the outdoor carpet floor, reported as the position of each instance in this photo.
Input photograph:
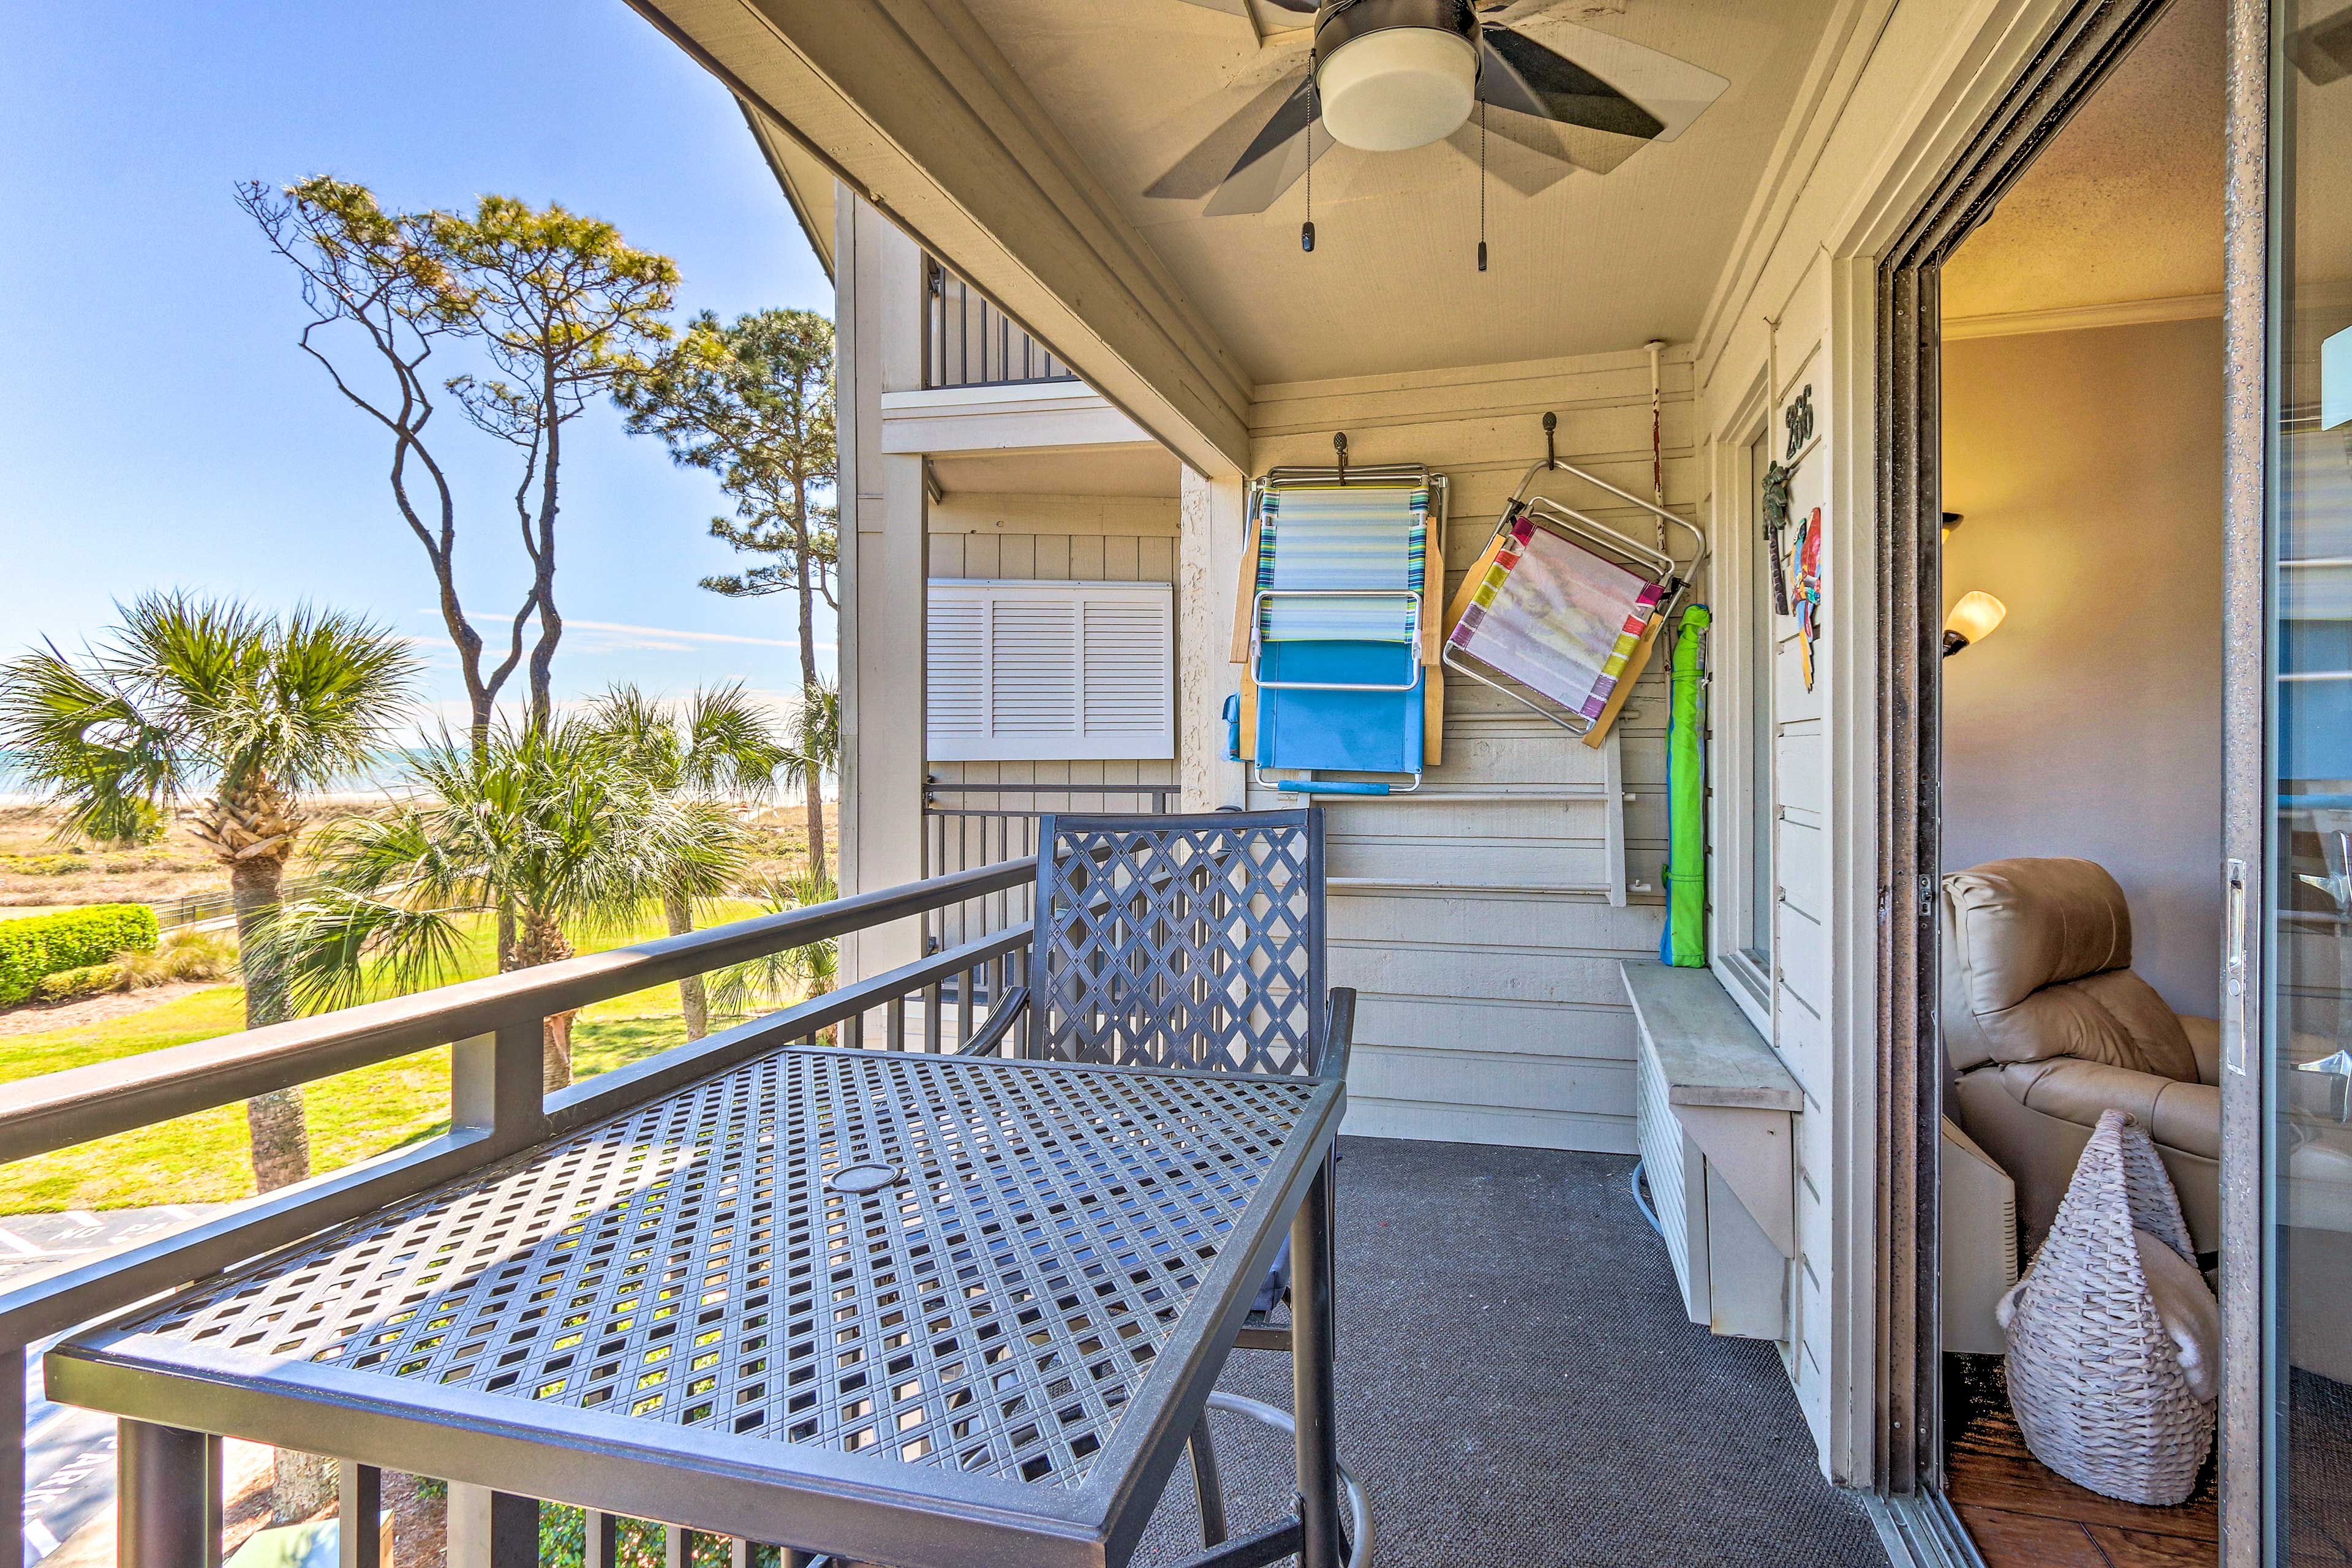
(1519, 1386)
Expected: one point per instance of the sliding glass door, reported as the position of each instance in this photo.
(2304, 1027)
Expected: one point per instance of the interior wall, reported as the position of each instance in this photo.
(1485, 956)
(2088, 465)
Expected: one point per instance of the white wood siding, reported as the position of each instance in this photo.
(1491, 1010)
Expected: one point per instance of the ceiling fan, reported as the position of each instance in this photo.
(1384, 76)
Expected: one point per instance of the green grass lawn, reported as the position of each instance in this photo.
(204, 1158)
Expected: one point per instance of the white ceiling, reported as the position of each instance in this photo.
(2125, 203)
(1592, 263)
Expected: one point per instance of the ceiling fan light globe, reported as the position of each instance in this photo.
(1397, 89)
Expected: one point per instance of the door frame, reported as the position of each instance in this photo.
(2054, 81)
(2248, 1528)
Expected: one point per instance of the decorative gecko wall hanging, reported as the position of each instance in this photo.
(1775, 522)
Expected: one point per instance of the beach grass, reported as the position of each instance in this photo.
(204, 1158)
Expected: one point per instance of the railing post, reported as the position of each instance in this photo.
(604, 1539)
(491, 1529)
(215, 1499)
(359, 1532)
(12, 1455)
(160, 1505)
(496, 1085)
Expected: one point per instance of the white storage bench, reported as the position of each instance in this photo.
(1716, 1112)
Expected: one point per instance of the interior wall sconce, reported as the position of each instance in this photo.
(1972, 620)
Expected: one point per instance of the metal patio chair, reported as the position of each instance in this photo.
(1193, 942)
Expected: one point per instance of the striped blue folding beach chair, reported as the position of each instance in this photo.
(1336, 632)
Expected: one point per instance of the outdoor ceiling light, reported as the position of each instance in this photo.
(1972, 620)
(1396, 74)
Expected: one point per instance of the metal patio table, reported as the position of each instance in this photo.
(926, 1310)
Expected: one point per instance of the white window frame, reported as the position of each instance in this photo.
(1145, 677)
(1737, 557)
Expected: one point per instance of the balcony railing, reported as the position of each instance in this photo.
(947, 1001)
(967, 341)
(985, 823)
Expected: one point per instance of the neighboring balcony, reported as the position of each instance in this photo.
(989, 387)
(967, 341)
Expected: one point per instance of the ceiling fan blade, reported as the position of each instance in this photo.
(1207, 165)
(1523, 74)
(1201, 171)
(1674, 91)
(1273, 163)
(1526, 165)
(1571, 146)
(1269, 13)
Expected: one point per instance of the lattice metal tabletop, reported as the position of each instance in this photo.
(915, 1309)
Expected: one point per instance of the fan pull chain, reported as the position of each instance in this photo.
(1482, 185)
(1306, 229)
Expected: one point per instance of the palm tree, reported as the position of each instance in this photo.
(186, 694)
(546, 823)
(781, 978)
(813, 756)
(718, 745)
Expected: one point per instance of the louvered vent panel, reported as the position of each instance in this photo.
(1034, 657)
(1043, 671)
(959, 670)
(1126, 686)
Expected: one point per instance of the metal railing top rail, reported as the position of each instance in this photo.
(1157, 791)
(59, 1301)
(80, 1104)
(497, 1106)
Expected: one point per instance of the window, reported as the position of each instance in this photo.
(1029, 671)
(1762, 629)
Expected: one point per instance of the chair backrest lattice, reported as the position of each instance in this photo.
(1191, 942)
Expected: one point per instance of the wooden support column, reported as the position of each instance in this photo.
(884, 539)
(1210, 514)
(892, 541)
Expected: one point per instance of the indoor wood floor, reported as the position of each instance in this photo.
(2024, 1514)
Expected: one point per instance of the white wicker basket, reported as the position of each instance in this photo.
(2094, 1379)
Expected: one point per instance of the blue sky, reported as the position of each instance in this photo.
(160, 429)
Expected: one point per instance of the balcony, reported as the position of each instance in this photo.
(1517, 1380)
(967, 341)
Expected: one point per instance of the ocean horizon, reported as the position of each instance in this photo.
(390, 773)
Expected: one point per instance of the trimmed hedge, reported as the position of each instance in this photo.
(73, 984)
(45, 944)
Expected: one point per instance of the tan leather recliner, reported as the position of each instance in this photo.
(2046, 1026)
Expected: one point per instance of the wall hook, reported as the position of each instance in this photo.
(1340, 445)
(1551, 440)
